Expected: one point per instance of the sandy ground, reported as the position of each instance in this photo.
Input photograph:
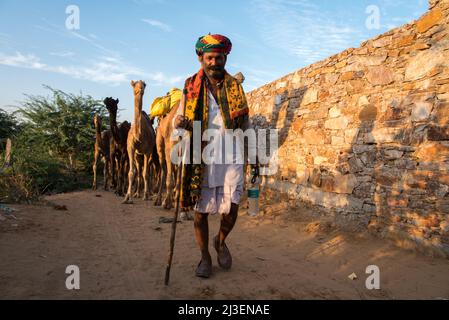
(121, 251)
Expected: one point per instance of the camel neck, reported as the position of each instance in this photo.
(113, 125)
(98, 132)
(137, 110)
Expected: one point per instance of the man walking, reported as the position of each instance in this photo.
(216, 100)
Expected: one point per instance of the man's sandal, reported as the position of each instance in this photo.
(204, 269)
(224, 257)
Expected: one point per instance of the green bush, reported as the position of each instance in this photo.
(52, 145)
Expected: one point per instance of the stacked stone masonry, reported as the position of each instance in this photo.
(364, 134)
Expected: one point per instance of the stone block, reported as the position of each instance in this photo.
(421, 64)
(334, 112)
(404, 41)
(311, 96)
(368, 113)
(429, 20)
(380, 75)
(432, 152)
(339, 123)
(314, 136)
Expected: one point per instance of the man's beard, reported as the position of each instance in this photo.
(216, 73)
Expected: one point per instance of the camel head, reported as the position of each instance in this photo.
(239, 77)
(138, 87)
(111, 105)
(97, 121)
(125, 125)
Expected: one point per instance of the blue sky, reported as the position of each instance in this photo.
(153, 40)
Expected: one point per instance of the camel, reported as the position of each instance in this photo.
(153, 172)
(120, 136)
(154, 169)
(141, 141)
(102, 149)
(164, 146)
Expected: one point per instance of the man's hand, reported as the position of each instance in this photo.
(181, 122)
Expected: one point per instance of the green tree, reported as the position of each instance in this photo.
(64, 124)
(8, 127)
(52, 144)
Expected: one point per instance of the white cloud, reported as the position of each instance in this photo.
(161, 78)
(105, 70)
(92, 42)
(63, 54)
(23, 61)
(63, 32)
(158, 24)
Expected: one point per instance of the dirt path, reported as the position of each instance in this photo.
(121, 251)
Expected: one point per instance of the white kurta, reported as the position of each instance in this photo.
(221, 174)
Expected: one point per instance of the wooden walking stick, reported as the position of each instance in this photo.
(175, 218)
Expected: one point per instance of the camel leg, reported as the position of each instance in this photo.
(146, 177)
(131, 174)
(163, 169)
(167, 203)
(150, 177)
(113, 170)
(125, 176)
(94, 167)
(157, 173)
(138, 185)
(120, 175)
(118, 169)
(152, 168)
(161, 181)
(156, 178)
(106, 173)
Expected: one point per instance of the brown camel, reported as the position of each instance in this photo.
(141, 141)
(153, 172)
(164, 146)
(120, 136)
(102, 149)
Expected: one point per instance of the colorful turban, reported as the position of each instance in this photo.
(213, 43)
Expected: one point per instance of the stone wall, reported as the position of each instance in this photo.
(364, 134)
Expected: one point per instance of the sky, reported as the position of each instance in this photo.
(153, 40)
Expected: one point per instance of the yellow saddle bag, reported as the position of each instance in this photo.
(163, 105)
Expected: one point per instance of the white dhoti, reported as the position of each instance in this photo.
(219, 199)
